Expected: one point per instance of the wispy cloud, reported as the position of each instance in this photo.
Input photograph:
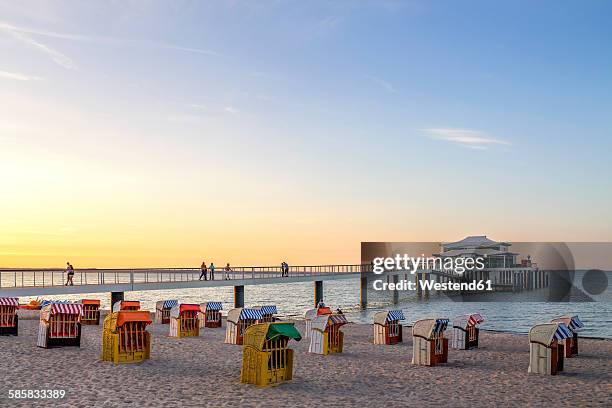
(473, 139)
(44, 33)
(382, 83)
(25, 37)
(231, 109)
(186, 49)
(18, 76)
(27, 31)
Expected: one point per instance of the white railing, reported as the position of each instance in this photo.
(24, 278)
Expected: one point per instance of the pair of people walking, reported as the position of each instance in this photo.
(69, 274)
(284, 269)
(207, 272)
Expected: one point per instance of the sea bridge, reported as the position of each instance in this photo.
(51, 281)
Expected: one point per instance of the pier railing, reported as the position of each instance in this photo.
(24, 278)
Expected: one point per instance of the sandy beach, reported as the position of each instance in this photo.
(205, 372)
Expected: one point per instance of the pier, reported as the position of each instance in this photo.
(41, 282)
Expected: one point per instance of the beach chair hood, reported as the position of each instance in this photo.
(166, 304)
(44, 303)
(324, 311)
(427, 328)
(257, 334)
(214, 306)
(235, 315)
(178, 309)
(118, 319)
(467, 320)
(310, 314)
(388, 316)
(267, 310)
(573, 323)
(124, 303)
(92, 302)
(9, 301)
(546, 333)
(60, 308)
(321, 322)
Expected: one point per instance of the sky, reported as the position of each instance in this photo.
(150, 133)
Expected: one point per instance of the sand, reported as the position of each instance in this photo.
(205, 372)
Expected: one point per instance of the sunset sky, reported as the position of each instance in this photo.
(163, 133)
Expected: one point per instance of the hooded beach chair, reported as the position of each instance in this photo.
(429, 346)
(184, 320)
(238, 320)
(266, 360)
(325, 334)
(387, 327)
(60, 325)
(162, 310)
(465, 333)
(125, 337)
(575, 325)
(91, 311)
(210, 314)
(545, 350)
(311, 314)
(9, 320)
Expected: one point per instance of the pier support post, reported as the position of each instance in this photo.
(417, 278)
(395, 291)
(239, 296)
(426, 278)
(318, 292)
(116, 297)
(363, 292)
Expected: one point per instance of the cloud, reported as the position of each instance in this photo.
(230, 109)
(103, 40)
(23, 36)
(18, 77)
(473, 139)
(44, 33)
(186, 49)
(382, 83)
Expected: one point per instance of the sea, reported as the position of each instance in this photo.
(511, 312)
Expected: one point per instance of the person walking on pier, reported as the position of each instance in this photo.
(212, 271)
(227, 271)
(69, 274)
(203, 273)
(284, 269)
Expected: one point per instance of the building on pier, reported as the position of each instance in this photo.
(500, 263)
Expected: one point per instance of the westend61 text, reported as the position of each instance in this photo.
(404, 284)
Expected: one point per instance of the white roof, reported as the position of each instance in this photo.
(474, 241)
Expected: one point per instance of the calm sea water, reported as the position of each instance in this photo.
(294, 299)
